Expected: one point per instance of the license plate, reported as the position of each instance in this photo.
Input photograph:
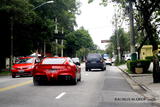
(52, 71)
(21, 71)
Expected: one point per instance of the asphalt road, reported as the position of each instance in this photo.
(97, 89)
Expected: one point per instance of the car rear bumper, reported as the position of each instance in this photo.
(55, 76)
(94, 65)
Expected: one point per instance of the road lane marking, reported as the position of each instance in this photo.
(86, 74)
(15, 86)
(60, 95)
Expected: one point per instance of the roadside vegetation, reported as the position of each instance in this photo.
(26, 29)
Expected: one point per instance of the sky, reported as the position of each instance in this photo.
(97, 19)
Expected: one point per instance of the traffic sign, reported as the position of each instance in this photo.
(105, 41)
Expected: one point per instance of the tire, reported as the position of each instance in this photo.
(35, 81)
(74, 81)
(13, 75)
(86, 69)
(102, 69)
(79, 78)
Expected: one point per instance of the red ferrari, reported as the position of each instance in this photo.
(56, 68)
(23, 66)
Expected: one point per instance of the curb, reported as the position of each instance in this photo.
(149, 95)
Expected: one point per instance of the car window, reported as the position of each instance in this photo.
(25, 61)
(53, 61)
(94, 57)
(75, 59)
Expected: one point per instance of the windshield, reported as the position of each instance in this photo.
(54, 61)
(93, 57)
(75, 59)
(25, 61)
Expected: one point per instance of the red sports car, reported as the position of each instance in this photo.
(23, 66)
(56, 68)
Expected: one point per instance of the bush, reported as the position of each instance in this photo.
(131, 65)
(151, 58)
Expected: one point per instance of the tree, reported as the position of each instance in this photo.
(149, 12)
(30, 28)
(78, 41)
(123, 41)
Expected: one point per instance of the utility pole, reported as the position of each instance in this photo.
(44, 54)
(132, 33)
(11, 60)
(56, 32)
(62, 44)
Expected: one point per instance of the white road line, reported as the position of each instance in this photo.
(60, 95)
(86, 74)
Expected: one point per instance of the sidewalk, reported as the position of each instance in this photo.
(145, 81)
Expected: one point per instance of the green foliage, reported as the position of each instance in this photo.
(79, 40)
(32, 26)
(5, 72)
(131, 65)
(117, 63)
(123, 41)
(151, 58)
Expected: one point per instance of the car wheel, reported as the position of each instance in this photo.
(35, 81)
(13, 75)
(79, 78)
(103, 69)
(74, 81)
(86, 69)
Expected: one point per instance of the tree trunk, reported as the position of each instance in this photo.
(141, 45)
(150, 32)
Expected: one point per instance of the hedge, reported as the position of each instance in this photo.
(150, 58)
(131, 65)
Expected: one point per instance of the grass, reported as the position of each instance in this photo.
(129, 72)
(5, 72)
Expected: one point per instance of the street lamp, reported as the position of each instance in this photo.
(48, 2)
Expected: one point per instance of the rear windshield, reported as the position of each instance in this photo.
(94, 57)
(75, 59)
(54, 61)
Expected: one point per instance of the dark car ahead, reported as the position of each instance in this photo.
(95, 61)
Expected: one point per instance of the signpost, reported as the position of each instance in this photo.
(105, 41)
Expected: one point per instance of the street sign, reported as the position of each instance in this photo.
(105, 41)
